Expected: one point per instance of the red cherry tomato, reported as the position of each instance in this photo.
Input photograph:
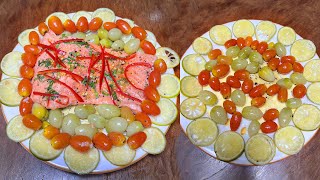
(254, 44)
(229, 43)
(258, 90)
(160, 65)
(70, 26)
(262, 47)
(283, 94)
(247, 86)
(34, 38)
(148, 47)
(81, 143)
(26, 72)
(258, 101)
(24, 87)
(139, 32)
(29, 59)
(82, 24)
(204, 77)
(32, 49)
(241, 42)
(55, 25)
(269, 54)
(289, 59)
(109, 25)
(25, 106)
(235, 121)
(32, 122)
(225, 90)
(60, 141)
(95, 24)
(233, 82)
(213, 54)
(268, 127)
(297, 67)
(102, 141)
(144, 119)
(248, 41)
(284, 68)
(43, 28)
(273, 89)
(220, 70)
(150, 107)
(136, 140)
(299, 91)
(154, 78)
(229, 106)
(242, 74)
(271, 114)
(273, 63)
(123, 26)
(214, 83)
(117, 139)
(50, 131)
(151, 93)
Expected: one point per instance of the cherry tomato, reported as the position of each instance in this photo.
(60, 141)
(148, 47)
(33, 49)
(214, 83)
(233, 82)
(271, 114)
(229, 106)
(269, 54)
(154, 78)
(81, 143)
(117, 139)
(95, 24)
(25, 106)
(139, 32)
(109, 25)
(273, 89)
(229, 43)
(123, 26)
(222, 59)
(144, 119)
(283, 94)
(254, 44)
(248, 41)
(299, 91)
(258, 101)
(258, 90)
(297, 67)
(102, 141)
(262, 47)
(34, 38)
(55, 25)
(242, 74)
(268, 127)
(220, 70)
(29, 59)
(160, 65)
(225, 90)
(43, 28)
(151, 93)
(247, 86)
(213, 54)
(32, 122)
(50, 131)
(136, 140)
(150, 107)
(70, 26)
(204, 77)
(235, 121)
(26, 72)
(273, 63)
(284, 68)
(289, 59)
(241, 42)
(25, 87)
(82, 24)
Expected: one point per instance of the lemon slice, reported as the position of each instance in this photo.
(61, 15)
(190, 86)
(289, 140)
(243, 28)
(78, 14)
(169, 113)
(9, 92)
(169, 86)
(229, 146)
(155, 142)
(152, 38)
(193, 64)
(303, 50)
(121, 155)
(17, 131)
(265, 30)
(23, 37)
(311, 70)
(286, 36)
(220, 34)
(307, 117)
(260, 149)
(313, 92)
(171, 58)
(202, 45)
(202, 132)
(106, 14)
(192, 108)
(11, 63)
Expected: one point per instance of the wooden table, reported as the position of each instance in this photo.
(175, 24)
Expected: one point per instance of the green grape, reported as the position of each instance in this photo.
(245, 52)
(69, 123)
(106, 43)
(81, 111)
(208, 97)
(108, 111)
(117, 45)
(93, 38)
(55, 118)
(116, 124)
(253, 128)
(297, 78)
(285, 117)
(97, 120)
(219, 115)
(266, 74)
(209, 65)
(132, 46)
(102, 33)
(252, 113)
(293, 103)
(239, 64)
(255, 57)
(114, 34)
(253, 67)
(233, 51)
(134, 127)
(79, 35)
(280, 49)
(285, 82)
(86, 130)
(238, 97)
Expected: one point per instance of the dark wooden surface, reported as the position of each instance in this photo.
(175, 24)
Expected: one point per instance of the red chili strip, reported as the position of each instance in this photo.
(128, 96)
(121, 58)
(52, 95)
(52, 48)
(68, 40)
(52, 57)
(59, 60)
(74, 76)
(133, 65)
(83, 57)
(103, 67)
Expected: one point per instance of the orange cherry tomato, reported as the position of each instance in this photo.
(225, 90)
(271, 114)
(144, 119)
(254, 44)
(151, 93)
(222, 59)
(33, 49)
(213, 54)
(235, 121)
(95, 24)
(258, 101)
(233, 82)
(160, 65)
(299, 91)
(70, 26)
(241, 42)
(297, 67)
(136, 140)
(289, 59)
(268, 127)
(214, 83)
(50, 131)
(247, 86)
(262, 47)
(147, 47)
(273, 63)
(43, 28)
(154, 78)
(123, 26)
(273, 89)
(25, 106)
(109, 25)
(25, 87)
(102, 141)
(117, 139)
(283, 94)
(258, 90)
(81, 143)
(55, 25)
(34, 38)
(139, 32)
(220, 70)
(269, 54)
(229, 43)
(26, 72)
(248, 41)
(229, 106)
(82, 24)
(204, 77)
(284, 68)
(242, 74)
(29, 59)
(60, 141)
(32, 122)
(150, 107)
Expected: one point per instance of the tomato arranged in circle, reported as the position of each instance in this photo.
(81, 143)
(139, 32)
(204, 77)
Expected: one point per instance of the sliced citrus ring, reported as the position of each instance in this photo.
(289, 140)
(193, 64)
(23, 37)
(265, 30)
(313, 92)
(106, 14)
(202, 132)
(9, 95)
(152, 38)
(120, 156)
(169, 86)
(243, 28)
(260, 149)
(202, 45)
(307, 117)
(78, 14)
(311, 70)
(61, 15)
(171, 58)
(286, 36)
(11, 63)
(192, 108)
(17, 131)
(190, 86)
(228, 146)
(41, 147)
(169, 113)
(155, 142)
(220, 34)
(303, 50)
